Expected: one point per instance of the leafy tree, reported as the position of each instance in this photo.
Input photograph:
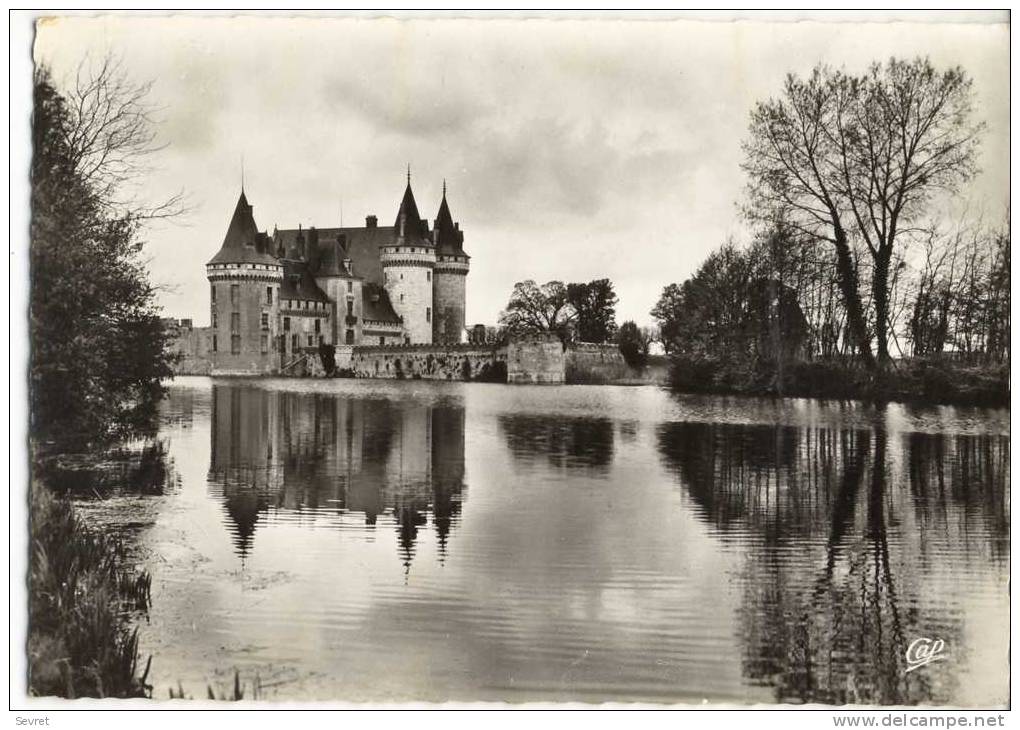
(713, 319)
(98, 347)
(635, 343)
(594, 305)
(535, 309)
(668, 313)
(856, 160)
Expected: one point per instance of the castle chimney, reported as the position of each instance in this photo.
(313, 248)
(371, 221)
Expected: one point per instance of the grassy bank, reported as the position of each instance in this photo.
(81, 604)
(654, 372)
(926, 381)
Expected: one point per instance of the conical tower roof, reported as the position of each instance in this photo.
(450, 238)
(240, 244)
(413, 228)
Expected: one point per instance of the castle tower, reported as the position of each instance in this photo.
(244, 292)
(407, 263)
(449, 278)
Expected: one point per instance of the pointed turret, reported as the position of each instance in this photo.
(239, 245)
(409, 224)
(448, 277)
(244, 286)
(407, 261)
(449, 238)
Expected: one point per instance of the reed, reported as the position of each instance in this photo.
(237, 694)
(82, 602)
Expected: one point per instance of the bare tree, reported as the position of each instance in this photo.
(112, 138)
(858, 158)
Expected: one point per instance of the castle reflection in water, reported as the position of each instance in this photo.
(314, 453)
(828, 536)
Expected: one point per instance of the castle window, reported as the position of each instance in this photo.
(265, 321)
(350, 286)
(428, 314)
(293, 343)
(382, 341)
(265, 343)
(311, 340)
(318, 326)
(349, 337)
(428, 276)
(235, 293)
(401, 296)
(350, 307)
(214, 343)
(401, 277)
(235, 344)
(269, 295)
(235, 322)
(212, 293)
(286, 324)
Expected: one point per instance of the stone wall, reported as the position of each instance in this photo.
(191, 344)
(257, 347)
(535, 360)
(430, 362)
(408, 281)
(530, 360)
(340, 290)
(596, 364)
(448, 306)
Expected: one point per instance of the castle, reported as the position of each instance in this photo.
(277, 298)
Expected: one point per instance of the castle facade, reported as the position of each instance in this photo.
(278, 298)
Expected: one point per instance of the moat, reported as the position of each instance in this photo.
(397, 540)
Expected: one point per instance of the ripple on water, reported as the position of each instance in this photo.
(373, 539)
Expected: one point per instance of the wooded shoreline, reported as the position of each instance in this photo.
(921, 381)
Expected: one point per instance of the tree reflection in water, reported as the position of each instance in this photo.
(838, 542)
(304, 456)
(564, 441)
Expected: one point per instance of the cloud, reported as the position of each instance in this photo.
(572, 149)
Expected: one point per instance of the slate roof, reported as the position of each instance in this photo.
(298, 283)
(243, 243)
(363, 246)
(415, 227)
(376, 305)
(449, 239)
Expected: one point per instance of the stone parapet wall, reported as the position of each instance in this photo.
(191, 344)
(586, 362)
(535, 360)
(429, 362)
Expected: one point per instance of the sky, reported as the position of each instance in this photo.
(572, 150)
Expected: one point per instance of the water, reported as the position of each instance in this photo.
(373, 540)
